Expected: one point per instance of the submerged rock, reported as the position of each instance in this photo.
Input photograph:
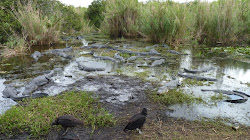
(205, 69)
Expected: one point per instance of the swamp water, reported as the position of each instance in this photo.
(231, 75)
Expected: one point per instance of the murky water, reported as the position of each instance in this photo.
(231, 75)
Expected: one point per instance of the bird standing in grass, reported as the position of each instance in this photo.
(137, 121)
(67, 121)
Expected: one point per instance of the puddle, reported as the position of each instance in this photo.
(115, 90)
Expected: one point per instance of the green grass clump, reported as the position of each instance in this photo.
(218, 97)
(192, 82)
(142, 75)
(175, 97)
(36, 115)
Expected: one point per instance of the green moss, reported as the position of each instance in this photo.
(36, 115)
(175, 97)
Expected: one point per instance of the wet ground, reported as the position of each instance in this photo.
(121, 89)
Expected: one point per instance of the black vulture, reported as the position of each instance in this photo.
(137, 121)
(67, 121)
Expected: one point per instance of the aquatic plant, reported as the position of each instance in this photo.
(36, 115)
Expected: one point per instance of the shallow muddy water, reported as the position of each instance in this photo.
(231, 75)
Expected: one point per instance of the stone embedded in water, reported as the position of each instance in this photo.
(158, 62)
(36, 55)
(170, 85)
(88, 69)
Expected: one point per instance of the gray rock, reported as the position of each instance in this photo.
(154, 51)
(201, 78)
(104, 58)
(170, 85)
(36, 82)
(88, 69)
(205, 69)
(133, 58)
(157, 62)
(36, 55)
(120, 58)
(9, 92)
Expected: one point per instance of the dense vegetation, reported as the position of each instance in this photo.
(41, 22)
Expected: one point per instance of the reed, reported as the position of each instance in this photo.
(164, 21)
(121, 18)
(38, 29)
(223, 21)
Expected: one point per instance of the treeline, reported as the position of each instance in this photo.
(40, 22)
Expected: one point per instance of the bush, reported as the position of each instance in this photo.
(95, 12)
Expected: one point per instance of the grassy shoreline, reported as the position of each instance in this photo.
(34, 116)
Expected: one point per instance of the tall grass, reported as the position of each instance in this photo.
(121, 18)
(38, 29)
(221, 21)
(164, 21)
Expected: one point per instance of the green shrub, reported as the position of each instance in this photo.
(95, 12)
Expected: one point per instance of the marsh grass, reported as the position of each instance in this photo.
(192, 82)
(121, 18)
(223, 21)
(37, 28)
(175, 97)
(163, 21)
(35, 116)
(218, 97)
